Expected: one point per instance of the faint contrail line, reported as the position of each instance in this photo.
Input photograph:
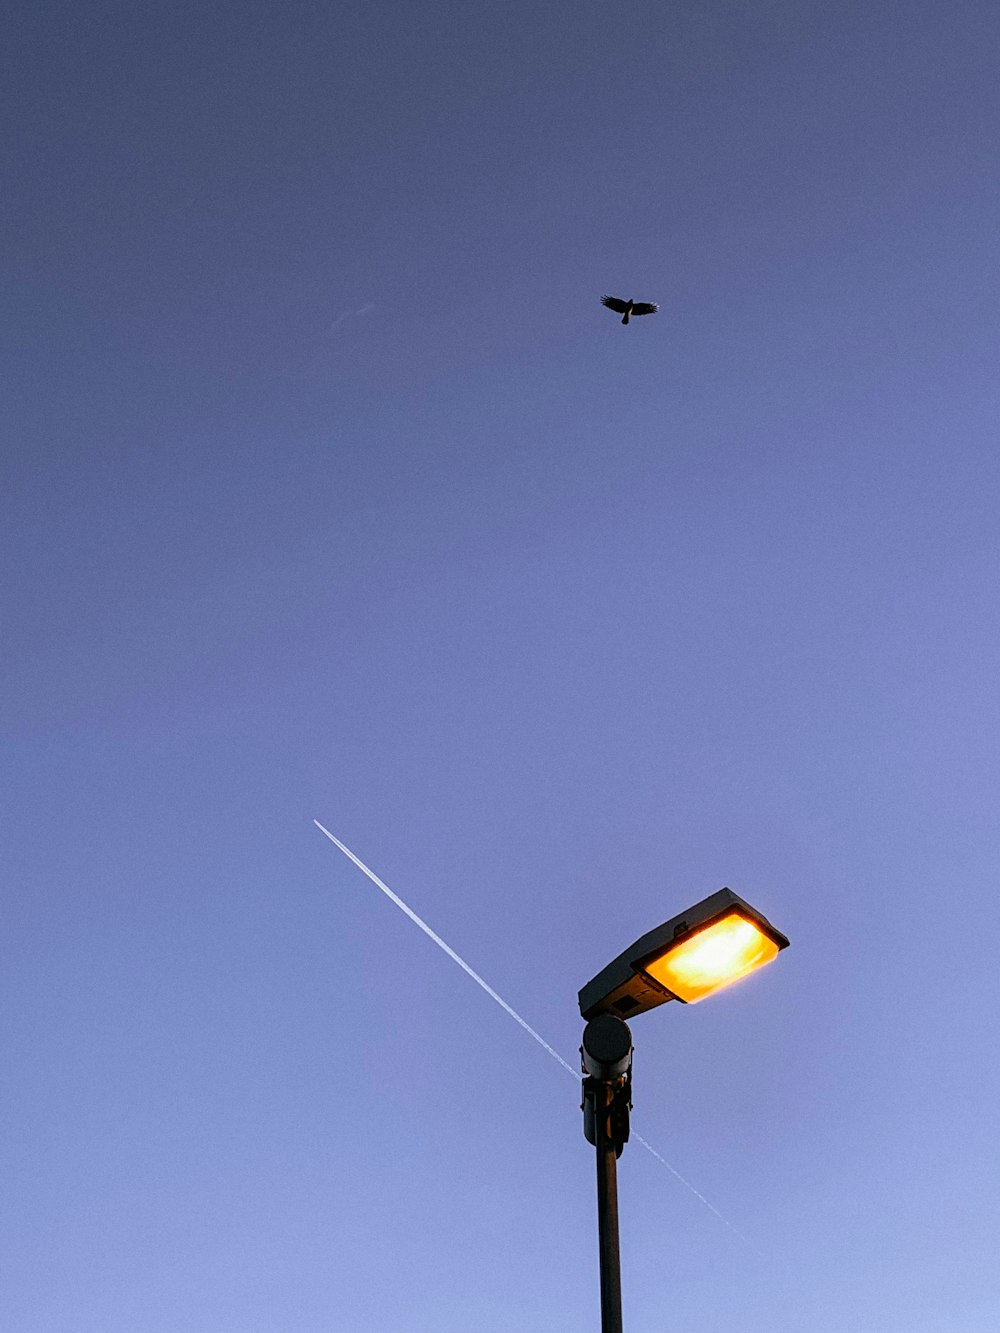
(697, 1193)
(418, 921)
(448, 950)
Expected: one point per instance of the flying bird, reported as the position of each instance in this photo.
(629, 307)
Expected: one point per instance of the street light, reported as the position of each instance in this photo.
(693, 955)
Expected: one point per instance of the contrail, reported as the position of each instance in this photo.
(394, 897)
(697, 1194)
(448, 950)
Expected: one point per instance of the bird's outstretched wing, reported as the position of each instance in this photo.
(613, 303)
(645, 308)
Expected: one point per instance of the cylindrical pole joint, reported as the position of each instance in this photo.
(607, 1047)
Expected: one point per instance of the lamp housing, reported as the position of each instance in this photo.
(689, 957)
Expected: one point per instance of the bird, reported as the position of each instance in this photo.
(629, 307)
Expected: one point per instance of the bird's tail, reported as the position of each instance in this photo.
(625, 318)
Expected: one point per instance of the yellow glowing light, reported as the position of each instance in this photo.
(712, 958)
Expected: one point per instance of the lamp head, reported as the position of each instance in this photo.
(704, 949)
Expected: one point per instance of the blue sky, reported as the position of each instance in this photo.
(330, 491)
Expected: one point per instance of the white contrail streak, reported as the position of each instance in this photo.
(393, 897)
(697, 1193)
(448, 950)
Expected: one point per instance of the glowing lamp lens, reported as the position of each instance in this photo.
(712, 958)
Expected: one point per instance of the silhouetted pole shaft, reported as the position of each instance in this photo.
(607, 1216)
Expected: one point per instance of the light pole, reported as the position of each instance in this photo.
(607, 1099)
(689, 957)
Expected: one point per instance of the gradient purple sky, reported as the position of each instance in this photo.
(330, 491)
